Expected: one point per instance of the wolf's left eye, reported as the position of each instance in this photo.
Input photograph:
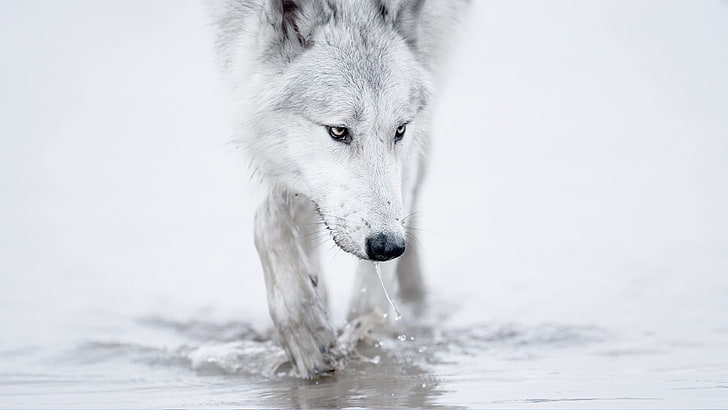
(399, 133)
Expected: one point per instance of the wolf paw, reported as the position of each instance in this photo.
(312, 352)
(359, 329)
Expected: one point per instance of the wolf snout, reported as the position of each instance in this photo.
(383, 247)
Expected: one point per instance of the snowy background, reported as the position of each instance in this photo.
(579, 176)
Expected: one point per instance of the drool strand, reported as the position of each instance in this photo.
(378, 269)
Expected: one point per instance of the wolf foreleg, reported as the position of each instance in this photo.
(294, 298)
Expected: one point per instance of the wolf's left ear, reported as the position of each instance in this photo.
(294, 22)
(405, 16)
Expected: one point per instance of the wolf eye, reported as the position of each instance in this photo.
(399, 133)
(340, 134)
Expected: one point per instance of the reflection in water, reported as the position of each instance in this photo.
(158, 362)
(234, 354)
(236, 358)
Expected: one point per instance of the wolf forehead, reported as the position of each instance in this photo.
(343, 67)
(335, 92)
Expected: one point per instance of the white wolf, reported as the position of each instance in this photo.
(332, 100)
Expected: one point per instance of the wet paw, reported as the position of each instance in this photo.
(359, 329)
(312, 352)
(318, 352)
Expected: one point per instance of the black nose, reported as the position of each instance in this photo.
(382, 247)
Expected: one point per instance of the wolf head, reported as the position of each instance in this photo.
(338, 100)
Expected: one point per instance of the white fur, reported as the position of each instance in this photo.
(295, 67)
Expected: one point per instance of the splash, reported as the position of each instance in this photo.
(378, 269)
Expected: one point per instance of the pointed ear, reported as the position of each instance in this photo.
(293, 23)
(404, 15)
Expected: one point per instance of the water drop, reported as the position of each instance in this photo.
(378, 269)
(402, 338)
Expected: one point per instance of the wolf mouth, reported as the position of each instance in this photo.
(339, 234)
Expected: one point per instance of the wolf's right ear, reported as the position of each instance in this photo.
(293, 23)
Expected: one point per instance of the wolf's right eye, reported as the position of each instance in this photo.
(340, 134)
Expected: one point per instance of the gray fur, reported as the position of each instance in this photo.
(294, 68)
